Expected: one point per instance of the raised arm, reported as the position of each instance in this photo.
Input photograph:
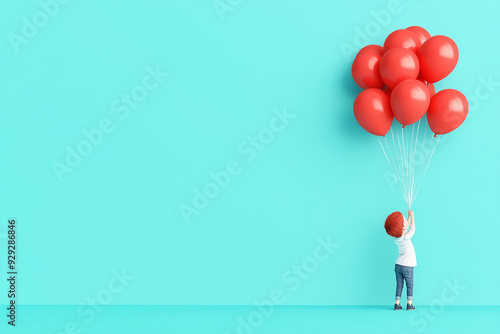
(411, 231)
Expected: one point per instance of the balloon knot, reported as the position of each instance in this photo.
(435, 135)
(404, 127)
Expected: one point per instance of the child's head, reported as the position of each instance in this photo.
(395, 224)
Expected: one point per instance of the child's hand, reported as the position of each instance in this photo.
(410, 213)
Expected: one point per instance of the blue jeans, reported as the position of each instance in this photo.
(404, 273)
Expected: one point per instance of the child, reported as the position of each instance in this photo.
(396, 225)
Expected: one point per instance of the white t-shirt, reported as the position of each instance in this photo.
(406, 255)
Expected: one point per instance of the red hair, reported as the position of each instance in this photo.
(394, 224)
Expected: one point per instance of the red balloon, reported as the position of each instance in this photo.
(438, 56)
(422, 34)
(376, 48)
(372, 110)
(365, 69)
(447, 111)
(397, 65)
(409, 101)
(430, 87)
(387, 90)
(402, 38)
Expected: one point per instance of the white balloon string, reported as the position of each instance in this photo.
(412, 152)
(430, 158)
(396, 176)
(413, 167)
(422, 153)
(409, 178)
(403, 159)
(426, 154)
(405, 145)
(384, 152)
(411, 161)
(401, 155)
(390, 165)
(397, 162)
(408, 143)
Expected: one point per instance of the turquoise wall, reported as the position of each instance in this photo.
(250, 104)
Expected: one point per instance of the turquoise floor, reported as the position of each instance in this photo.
(249, 320)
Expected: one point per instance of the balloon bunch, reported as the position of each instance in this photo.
(398, 81)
